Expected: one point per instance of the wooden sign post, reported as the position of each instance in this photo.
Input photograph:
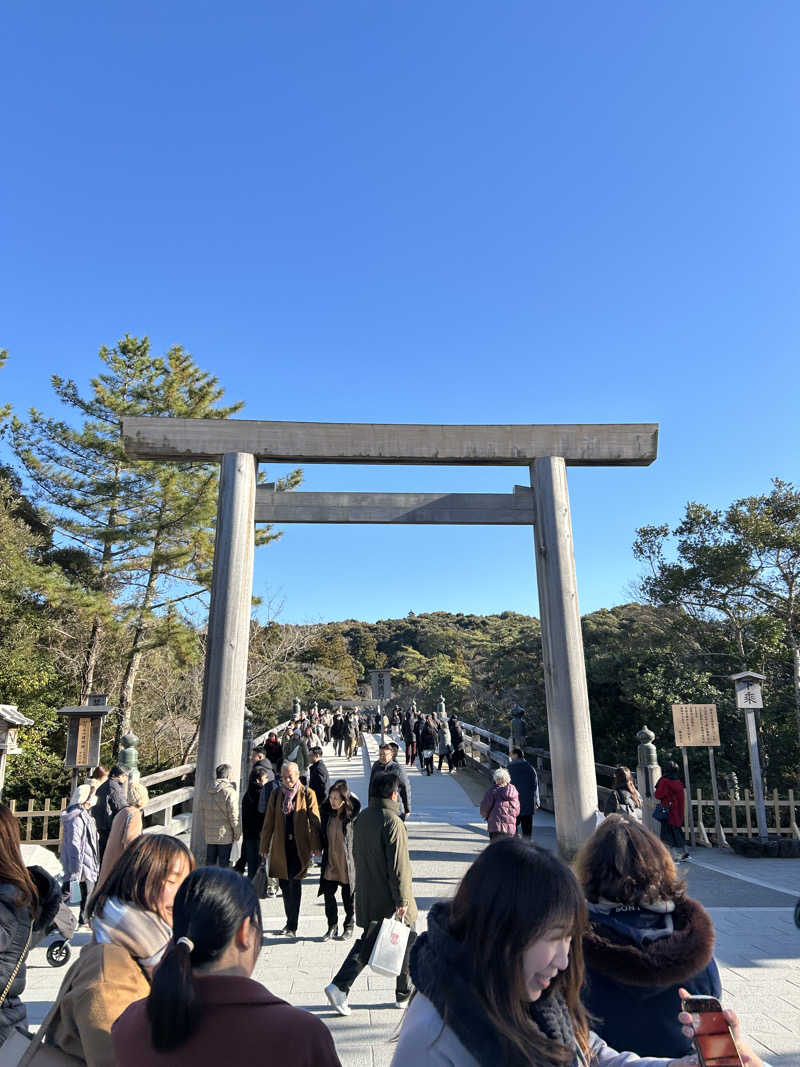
(381, 682)
(748, 698)
(696, 726)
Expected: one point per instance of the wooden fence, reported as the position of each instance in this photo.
(168, 813)
(738, 817)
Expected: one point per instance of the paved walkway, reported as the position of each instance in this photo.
(751, 902)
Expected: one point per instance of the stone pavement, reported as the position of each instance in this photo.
(751, 902)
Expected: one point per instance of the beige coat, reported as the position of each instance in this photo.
(220, 814)
(125, 829)
(307, 832)
(97, 989)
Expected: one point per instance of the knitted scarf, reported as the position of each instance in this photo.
(142, 933)
(289, 796)
(440, 969)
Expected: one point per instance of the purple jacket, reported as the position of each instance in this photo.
(501, 807)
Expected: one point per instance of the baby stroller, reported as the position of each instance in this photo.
(65, 923)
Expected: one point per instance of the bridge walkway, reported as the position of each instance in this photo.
(751, 902)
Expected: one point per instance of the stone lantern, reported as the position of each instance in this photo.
(10, 722)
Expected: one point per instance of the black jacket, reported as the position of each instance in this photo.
(252, 818)
(633, 974)
(428, 738)
(112, 796)
(318, 778)
(326, 814)
(393, 767)
(15, 922)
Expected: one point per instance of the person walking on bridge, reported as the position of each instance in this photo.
(387, 764)
(428, 741)
(383, 878)
(291, 835)
(526, 782)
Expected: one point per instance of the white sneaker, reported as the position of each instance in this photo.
(337, 999)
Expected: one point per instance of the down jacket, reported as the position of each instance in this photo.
(220, 812)
(80, 854)
(15, 924)
(500, 807)
(636, 959)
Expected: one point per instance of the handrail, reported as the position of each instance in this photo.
(165, 776)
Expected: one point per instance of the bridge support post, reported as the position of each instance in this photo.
(225, 677)
(569, 725)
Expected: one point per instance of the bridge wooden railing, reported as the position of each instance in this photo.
(487, 750)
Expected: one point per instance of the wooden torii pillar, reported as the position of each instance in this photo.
(238, 445)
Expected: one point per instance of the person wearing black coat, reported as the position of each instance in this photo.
(646, 939)
(457, 741)
(428, 742)
(338, 869)
(111, 797)
(318, 776)
(387, 764)
(29, 900)
(419, 724)
(526, 782)
(253, 816)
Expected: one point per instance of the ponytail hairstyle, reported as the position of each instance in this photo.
(209, 908)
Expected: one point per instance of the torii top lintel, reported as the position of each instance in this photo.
(579, 444)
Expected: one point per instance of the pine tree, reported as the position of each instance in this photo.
(149, 527)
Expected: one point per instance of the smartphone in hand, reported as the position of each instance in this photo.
(713, 1038)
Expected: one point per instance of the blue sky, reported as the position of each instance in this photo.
(450, 212)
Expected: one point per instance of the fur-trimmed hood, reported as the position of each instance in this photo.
(628, 957)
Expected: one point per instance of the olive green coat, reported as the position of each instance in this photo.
(383, 866)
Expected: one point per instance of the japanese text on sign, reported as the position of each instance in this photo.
(748, 693)
(84, 737)
(381, 684)
(695, 725)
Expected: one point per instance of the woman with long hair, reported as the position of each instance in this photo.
(624, 796)
(29, 899)
(645, 939)
(126, 827)
(203, 1007)
(130, 916)
(499, 971)
(338, 868)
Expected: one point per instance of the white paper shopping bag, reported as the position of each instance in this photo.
(389, 948)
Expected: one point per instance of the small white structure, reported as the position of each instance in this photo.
(10, 721)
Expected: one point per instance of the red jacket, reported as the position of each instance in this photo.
(240, 1019)
(670, 791)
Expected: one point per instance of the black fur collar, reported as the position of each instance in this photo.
(668, 961)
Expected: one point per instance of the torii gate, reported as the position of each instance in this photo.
(238, 445)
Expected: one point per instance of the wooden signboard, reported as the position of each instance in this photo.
(695, 725)
(83, 740)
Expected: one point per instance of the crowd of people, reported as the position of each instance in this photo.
(587, 967)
